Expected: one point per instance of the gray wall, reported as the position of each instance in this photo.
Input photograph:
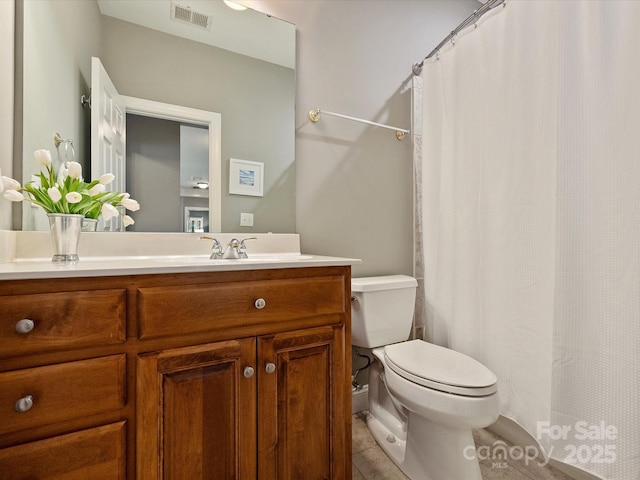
(354, 182)
(53, 82)
(153, 173)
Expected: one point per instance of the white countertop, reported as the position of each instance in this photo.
(27, 255)
(103, 266)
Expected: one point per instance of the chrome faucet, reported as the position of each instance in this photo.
(237, 248)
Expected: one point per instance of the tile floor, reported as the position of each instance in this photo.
(370, 462)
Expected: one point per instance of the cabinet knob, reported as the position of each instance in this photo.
(260, 303)
(25, 325)
(24, 404)
(270, 367)
(248, 372)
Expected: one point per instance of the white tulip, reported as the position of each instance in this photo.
(54, 194)
(96, 189)
(75, 170)
(9, 183)
(13, 195)
(73, 197)
(127, 220)
(109, 211)
(43, 157)
(130, 204)
(107, 178)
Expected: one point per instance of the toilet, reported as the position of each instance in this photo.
(424, 400)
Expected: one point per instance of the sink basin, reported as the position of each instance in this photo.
(186, 259)
(253, 258)
(283, 257)
(90, 258)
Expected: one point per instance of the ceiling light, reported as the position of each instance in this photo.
(201, 184)
(234, 5)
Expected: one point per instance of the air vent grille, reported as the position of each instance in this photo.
(185, 14)
(200, 19)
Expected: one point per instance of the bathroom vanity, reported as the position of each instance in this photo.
(175, 371)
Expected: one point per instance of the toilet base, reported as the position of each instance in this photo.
(436, 452)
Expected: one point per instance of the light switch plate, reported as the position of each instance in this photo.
(246, 219)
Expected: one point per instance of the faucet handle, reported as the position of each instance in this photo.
(242, 245)
(216, 247)
(242, 248)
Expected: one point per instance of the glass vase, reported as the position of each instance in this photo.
(65, 234)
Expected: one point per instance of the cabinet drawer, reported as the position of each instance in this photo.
(62, 320)
(97, 453)
(164, 311)
(61, 392)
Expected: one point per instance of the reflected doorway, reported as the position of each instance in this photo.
(168, 173)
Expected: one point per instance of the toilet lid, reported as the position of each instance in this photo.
(440, 368)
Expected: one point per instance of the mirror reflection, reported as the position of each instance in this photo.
(253, 92)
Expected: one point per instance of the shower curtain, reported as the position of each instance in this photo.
(529, 190)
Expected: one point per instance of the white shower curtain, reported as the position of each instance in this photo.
(531, 217)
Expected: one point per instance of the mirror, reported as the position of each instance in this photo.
(254, 92)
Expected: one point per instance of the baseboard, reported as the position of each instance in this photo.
(360, 400)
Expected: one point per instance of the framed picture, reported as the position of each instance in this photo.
(245, 177)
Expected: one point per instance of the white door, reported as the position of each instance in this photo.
(108, 134)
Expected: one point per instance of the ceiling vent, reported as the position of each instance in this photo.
(185, 14)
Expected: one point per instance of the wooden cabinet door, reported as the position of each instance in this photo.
(303, 428)
(200, 406)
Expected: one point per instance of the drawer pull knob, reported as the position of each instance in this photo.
(25, 325)
(270, 367)
(24, 404)
(260, 303)
(248, 372)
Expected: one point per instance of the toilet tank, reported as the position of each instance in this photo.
(382, 309)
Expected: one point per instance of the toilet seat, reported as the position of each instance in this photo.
(440, 368)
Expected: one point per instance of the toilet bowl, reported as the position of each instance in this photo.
(424, 400)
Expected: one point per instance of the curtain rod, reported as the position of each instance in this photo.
(314, 116)
(471, 19)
